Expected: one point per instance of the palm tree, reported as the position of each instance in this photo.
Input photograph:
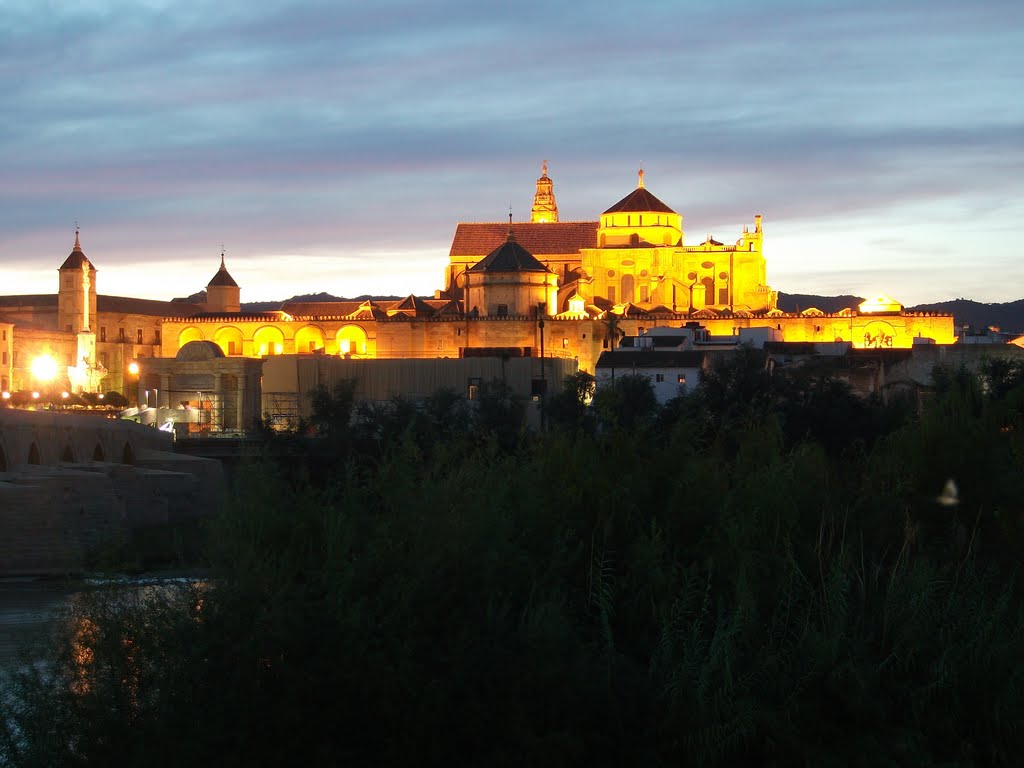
(612, 331)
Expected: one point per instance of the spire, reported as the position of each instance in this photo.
(640, 181)
(545, 210)
(511, 236)
(78, 244)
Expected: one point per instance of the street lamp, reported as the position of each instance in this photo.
(44, 370)
(133, 371)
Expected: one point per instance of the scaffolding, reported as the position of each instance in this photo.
(281, 411)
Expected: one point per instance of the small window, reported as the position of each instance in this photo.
(659, 377)
(103, 333)
(502, 310)
(138, 335)
(15, 359)
(5, 357)
(565, 344)
(158, 337)
(681, 378)
(68, 327)
(120, 334)
(611, 293)
(5, 334)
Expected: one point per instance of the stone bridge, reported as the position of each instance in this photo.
(72, 485)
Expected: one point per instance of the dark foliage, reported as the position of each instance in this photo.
(762, 572)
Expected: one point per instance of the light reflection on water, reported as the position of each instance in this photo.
(29, 607)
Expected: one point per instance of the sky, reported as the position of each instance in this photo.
(334, 146)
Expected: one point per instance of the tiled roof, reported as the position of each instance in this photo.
(640, 201)
(132, 306)
(323, 308)
(30, 300)
(554, 238)
(223, 278)
(510, 256)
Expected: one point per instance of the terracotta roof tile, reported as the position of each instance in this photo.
(640, 200)
(510, 256)
(30, 300)
(132, 306)
(560, 237)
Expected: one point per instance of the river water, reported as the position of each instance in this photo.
(28, 607)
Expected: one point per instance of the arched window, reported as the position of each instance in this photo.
(627, 288)
(189, 334)
(268, 340)
(709, 291)
(351, 340)
(308, 339)
(229, 339)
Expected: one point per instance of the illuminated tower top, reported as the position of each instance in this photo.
(222, 292)
(76, 293)
(545, 209)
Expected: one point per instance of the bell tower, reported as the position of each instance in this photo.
(222, 292)
(76, 293)
(545, 210)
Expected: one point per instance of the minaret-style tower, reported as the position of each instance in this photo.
(76, 294)
(222, 292)
(545, 209)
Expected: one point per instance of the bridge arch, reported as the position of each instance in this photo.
(127, 454)
(68, 455)
(33, 454)
(97, 453)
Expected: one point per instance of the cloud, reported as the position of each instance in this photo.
(302, 127)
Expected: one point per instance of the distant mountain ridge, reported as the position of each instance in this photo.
(1008, 317)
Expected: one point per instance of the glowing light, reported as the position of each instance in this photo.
(133, 368)
(64, 395)
(6, 395)
(35, 395)
(44, 368)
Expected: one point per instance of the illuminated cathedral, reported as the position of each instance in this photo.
(542, 287)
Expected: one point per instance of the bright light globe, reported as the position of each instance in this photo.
(44, 368)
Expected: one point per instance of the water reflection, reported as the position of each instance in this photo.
(31, 608)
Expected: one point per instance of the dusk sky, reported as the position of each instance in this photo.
(334, 146)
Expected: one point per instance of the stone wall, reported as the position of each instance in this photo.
(56, 513)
